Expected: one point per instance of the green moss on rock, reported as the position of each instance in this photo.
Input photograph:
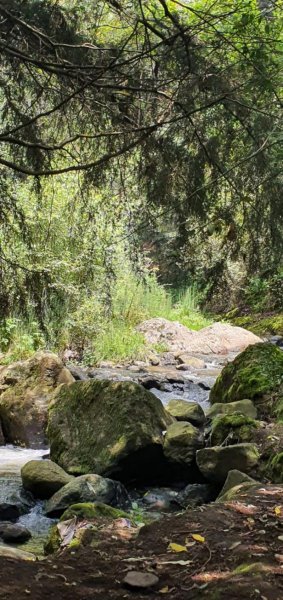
(93, 510)
(232, 429)
(95, 426)
(256, 373)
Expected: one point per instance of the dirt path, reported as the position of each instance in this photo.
(240, 557)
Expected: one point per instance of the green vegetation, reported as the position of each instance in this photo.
(140, 153)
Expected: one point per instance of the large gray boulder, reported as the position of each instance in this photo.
(43, 478)
(219, 338)
(25, 391)
(107, 427)
(87, 488)
(181, 442)
(216, 462)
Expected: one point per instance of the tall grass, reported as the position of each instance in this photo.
(99, 337)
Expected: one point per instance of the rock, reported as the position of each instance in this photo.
(196, 494)
(160, 499)
(216, 462)
(9, 512)
(186, 411)
(15, 534)
(239, 492)
(243, 407)
(232, 429)
(107, 428)
(43, 478)
(15, 553)
(140, 580)
(78, 373)
(234, 478)
(26, 388)
(14, 500)
(190, 361)
(257, 373)
(89, 512)
(219, 338)
(181, 442)
(87, 488)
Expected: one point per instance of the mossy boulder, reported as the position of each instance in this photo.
(43, 478)
(274, 468)
(86, 488)
(234, 478)
(243, 407)
(186, 411)
(93, 510)
(181, 442)
(232, 429)
(238, 492)
(26, 388)
(216, 462)
(96, 513)
(257, 374)
(107, 427)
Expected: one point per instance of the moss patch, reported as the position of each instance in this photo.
(93, 510)
(256, 373)
(234, 429)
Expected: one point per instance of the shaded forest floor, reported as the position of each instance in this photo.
(238, 556)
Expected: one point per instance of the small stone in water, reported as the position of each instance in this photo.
(138, 579)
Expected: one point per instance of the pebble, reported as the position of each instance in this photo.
(140, 580)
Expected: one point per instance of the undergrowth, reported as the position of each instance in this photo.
(97, 334)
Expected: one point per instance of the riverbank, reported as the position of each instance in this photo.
(239, 556)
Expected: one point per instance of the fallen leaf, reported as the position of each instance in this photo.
(198, 538)
(277, 510)
(164, 590)
(177, 547)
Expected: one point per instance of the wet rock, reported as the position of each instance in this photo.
(243, 407)
(186, 411)
(26, 388)
(181, 442)
(256, 374)
(140, 580)
(107, 427)
(216, 462)
(160, 499)
(9, 512)
(196, 494)
(43, 478)
(15, 534)
(14, 500)
(234, 478)
(87, 488)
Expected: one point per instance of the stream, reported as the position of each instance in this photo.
(165, 382)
